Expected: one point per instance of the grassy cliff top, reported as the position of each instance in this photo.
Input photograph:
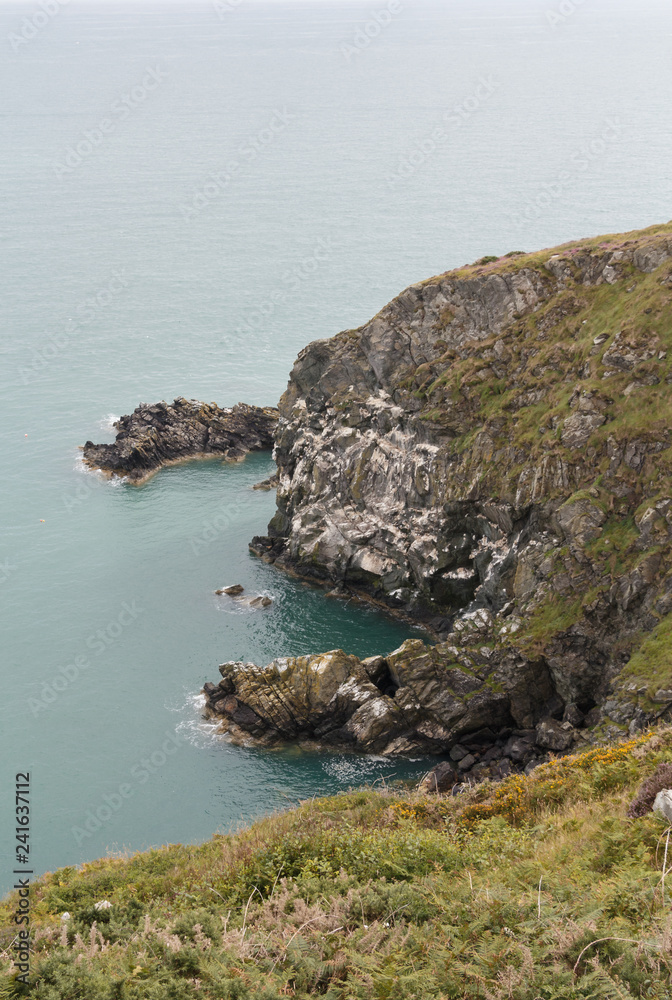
(537, 259)
(539, 887)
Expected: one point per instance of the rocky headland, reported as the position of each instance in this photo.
(490, 455)
(164, 433)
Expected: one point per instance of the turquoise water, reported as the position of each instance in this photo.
(131, 274)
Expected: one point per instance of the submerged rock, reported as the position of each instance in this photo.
(162, 433)
(236, 594)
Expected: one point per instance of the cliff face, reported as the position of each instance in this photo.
(490, 454)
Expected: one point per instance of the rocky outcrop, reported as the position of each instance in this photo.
(159, 434)
(427, 699)
(494, 448)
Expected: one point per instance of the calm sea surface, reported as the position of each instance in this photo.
(190, 194)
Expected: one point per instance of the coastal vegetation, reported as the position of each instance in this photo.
(537, 887)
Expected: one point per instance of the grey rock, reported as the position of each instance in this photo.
(466, 762)
(400, 703)
(163, 433)
(663, 804)
(648, 258)
(554, 735)
(577, 429)
(626, 352)
(581, 521)
(518, 748)
(439, 780)
(406, 499)
(573, 715)
(267, 484)
(377, 669)
(260, 602)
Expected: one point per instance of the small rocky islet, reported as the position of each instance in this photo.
(490, 457)
(159, 434)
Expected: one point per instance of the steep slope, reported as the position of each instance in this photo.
(491, 455)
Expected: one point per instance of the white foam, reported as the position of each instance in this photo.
(238, 604)
(193, 728)
(351, 769)
(108, 422)
(83, 469)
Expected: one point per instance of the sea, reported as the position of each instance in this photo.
(191, 192)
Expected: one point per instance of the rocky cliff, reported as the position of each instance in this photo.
(491, 455)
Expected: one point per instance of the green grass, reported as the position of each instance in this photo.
(538, 887)
(651, 665)
(556, 614)
(537, 259)
(560, 345)
(615, 548)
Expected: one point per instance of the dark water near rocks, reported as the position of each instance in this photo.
(192, 193)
